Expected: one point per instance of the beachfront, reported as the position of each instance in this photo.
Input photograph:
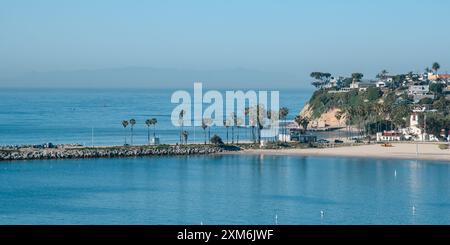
(420, 151)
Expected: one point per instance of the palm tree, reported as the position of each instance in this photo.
(233, 119)
(226, 125)
(181, 120)
(238, 123)
(132, 123)
(204, 126)
(249, 113)
(125, 124)
(185, 136)
(349, 115)
(302, 121)
(436, 67)
(150, 122)
(154, 121)
(338, 116)
(260, 111)
(284, 111)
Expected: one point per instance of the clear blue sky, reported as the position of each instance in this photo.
(295, 36)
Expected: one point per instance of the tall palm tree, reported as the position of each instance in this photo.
(338, 116)
(226, 125)
(436, 67)
(284, 111)
(233, 119)
(125, 124)
(132, 123)
(154, 121)
(302, 121)
(150, 122)
(249, 113)
(204, 126)
(260, 112)
(238, 123)
(185, 136)
(181, 120)
(209, 122)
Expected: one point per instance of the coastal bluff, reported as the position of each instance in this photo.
(325, 119)
(74, 152)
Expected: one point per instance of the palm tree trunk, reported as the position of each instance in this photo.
(204, 132)
(132, 135)
(227, 136)
(232, 134)
(148, 135)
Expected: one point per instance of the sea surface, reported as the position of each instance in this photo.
(225, 189)
(220, 189)
(94, 116)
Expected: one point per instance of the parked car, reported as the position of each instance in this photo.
(323, 141)
(338, 141)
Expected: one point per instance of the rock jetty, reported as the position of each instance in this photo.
(71, 152)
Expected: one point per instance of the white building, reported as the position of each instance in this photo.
(381, 84)
(418, 89)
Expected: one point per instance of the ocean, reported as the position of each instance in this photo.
(94, 116)
(225, 189)
(218, 189)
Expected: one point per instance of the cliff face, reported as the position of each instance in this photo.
(327, 119)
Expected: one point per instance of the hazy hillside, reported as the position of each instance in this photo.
(151, 78)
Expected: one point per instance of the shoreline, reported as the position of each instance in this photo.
(406, 151)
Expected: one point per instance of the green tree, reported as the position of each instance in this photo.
(204, 127)
(426, 101)
(302, 121)
(181, 120)
(321, 79)
(132, 123)
(436, 67)
(373, 93)
(284, 112)
(125, 124)
(437, 88)
(216, 140)
(357, 76)
(150, 122)
(442, 105)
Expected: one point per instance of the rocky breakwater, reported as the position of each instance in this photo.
(62, 152)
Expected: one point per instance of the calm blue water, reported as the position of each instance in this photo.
(224, 190)
(36, 116)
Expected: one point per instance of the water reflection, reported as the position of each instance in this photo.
(237, 189)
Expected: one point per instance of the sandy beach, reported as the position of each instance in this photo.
(426, 151)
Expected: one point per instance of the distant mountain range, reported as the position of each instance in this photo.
(146, 77)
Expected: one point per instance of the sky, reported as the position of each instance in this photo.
(291, 37)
